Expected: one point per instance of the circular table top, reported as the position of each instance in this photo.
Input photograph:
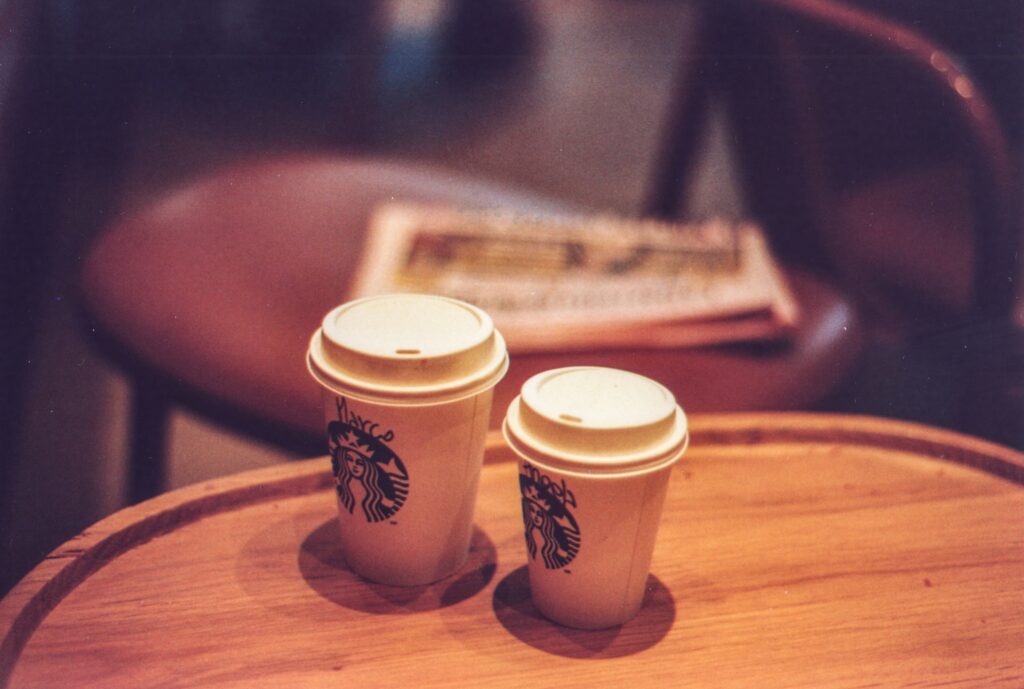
(794, 550)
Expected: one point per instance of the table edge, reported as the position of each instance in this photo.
(41, 590)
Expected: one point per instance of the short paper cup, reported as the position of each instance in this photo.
(407, 384)
(596, 447)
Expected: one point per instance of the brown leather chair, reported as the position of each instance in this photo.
(872, 155)
(870, 151)
(208, 296)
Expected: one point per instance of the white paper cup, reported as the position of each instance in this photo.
(597, 447)
(407, 385)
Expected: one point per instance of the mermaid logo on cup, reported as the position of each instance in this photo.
(550, 525)
(365, 468)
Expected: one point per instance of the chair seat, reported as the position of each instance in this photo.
(218, 286)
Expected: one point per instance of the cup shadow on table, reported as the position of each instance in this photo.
(517, 614)
(322, 564)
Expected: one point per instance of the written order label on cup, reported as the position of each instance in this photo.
(372, 481)
(552, 532)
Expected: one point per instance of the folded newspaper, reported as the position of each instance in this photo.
(584, 283)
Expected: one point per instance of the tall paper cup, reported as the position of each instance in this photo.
(596, 447)
(407, 385)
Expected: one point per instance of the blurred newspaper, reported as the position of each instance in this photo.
(584, 283)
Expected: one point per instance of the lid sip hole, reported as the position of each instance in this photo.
(570, 418)
(407, 351)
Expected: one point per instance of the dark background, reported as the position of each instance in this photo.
(107, 103)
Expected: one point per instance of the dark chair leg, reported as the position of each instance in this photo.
(147, 471)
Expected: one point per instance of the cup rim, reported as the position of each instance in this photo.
(576, 464)
(424, 394)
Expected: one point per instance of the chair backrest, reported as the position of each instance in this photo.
(828, 100)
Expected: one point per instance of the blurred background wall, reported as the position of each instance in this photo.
(106, 104)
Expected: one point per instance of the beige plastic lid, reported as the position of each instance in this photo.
(596, 420)
(407, 347)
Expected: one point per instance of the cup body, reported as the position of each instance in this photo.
(406, 483)
(407, 385)
(590, 557)
(596, 450)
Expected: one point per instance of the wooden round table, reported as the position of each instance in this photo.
(795, 550)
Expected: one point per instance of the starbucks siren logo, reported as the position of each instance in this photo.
(550, 525)
(365, 468)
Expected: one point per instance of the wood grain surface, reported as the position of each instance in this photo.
(795, 550)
